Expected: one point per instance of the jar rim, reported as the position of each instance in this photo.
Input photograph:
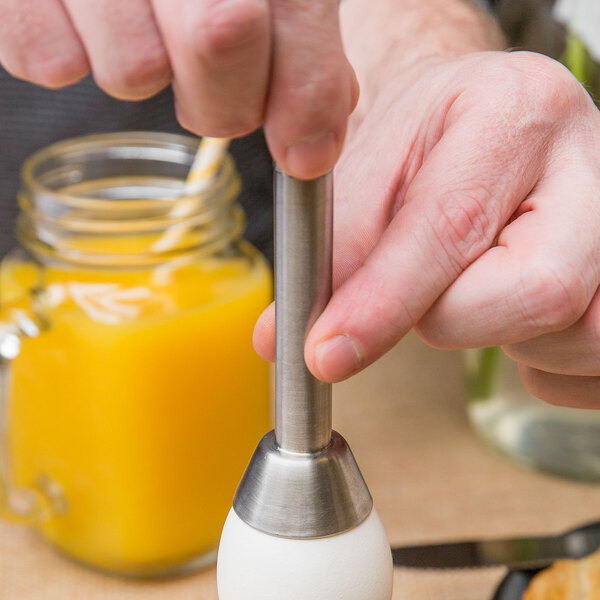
(187, 145)
(113, 172)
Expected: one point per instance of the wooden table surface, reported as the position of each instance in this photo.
(431, 478)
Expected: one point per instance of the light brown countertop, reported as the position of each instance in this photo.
(431, 478)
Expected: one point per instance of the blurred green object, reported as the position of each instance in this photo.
(576, 58)
(481, 367)
(558, 440)
(579, 61)
(531, 25)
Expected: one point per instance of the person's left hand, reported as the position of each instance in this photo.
(466, 206)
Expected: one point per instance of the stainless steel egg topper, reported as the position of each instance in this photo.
(302, 481)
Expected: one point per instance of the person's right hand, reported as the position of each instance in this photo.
(234, 64)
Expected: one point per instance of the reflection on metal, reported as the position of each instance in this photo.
(302, 481)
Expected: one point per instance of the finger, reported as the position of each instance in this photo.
(572, 351)
(39, 44)
(375, 169)
(545, 269)
(264, 334)
(354, 238)
(454, 207)
(220, 54)
(562, 390)
(539, 279)
(313, 88)
(123, 44)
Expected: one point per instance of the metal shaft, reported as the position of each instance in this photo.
(303, 242)
(302, 481)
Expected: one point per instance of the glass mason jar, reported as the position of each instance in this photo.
(132, 396)
(559, 440)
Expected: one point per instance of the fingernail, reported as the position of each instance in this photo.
(312, 155)
(337, 357)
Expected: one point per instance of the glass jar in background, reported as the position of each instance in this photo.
(132, 395)
(555, 439)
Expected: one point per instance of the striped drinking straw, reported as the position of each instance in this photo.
(207, 162)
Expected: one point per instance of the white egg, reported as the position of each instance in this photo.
(354, 565)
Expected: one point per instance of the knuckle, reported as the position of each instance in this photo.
(201, 122)
(319, 103)
(52, 72)
(550, 86)
(240, 125)
(516, 351)
(551, 298)
(222, 27)
(185, 119)
(17, 67)
(592, 322)
(532, 380)
(467, 222)
(560, 390)
(430, 332)
(65, 72)
(138, 76)
(324, 90)
(238, 121)
(31, 49)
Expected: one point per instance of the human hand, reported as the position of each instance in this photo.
(234, 64)
(466, 206)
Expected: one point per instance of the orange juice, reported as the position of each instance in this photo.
(132, 410)
(141, 402)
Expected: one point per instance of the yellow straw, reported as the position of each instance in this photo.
(207, 162)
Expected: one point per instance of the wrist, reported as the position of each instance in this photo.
(400, 39)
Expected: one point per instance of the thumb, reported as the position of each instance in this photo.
(466, 189)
